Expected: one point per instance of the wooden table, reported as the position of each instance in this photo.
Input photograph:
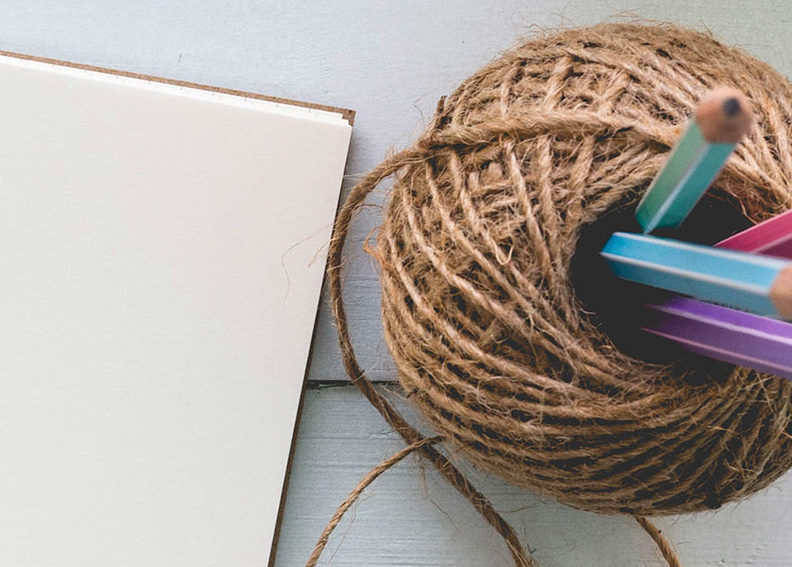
(391, 62)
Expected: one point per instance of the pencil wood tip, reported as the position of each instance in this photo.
(724, 116)
(781, 293)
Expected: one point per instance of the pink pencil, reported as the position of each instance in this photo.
(772, 237)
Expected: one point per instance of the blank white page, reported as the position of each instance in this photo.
(161, 259)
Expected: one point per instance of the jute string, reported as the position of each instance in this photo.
(484, 269)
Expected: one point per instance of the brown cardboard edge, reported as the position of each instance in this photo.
(346, 114)
(287, 478)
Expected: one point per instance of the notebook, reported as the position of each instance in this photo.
(161, 257)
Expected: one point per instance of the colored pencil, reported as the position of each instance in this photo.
(723, 117)
(750, 282)
(724, 334)
(772, 237)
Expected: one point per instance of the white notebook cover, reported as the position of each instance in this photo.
(161, 258)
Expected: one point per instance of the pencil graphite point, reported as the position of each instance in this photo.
(724, 116)
(731, 106)
(781, 293)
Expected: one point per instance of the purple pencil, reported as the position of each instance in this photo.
(725, 334)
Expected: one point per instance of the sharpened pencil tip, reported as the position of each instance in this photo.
(724, 116)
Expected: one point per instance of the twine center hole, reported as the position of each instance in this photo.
(616, 305)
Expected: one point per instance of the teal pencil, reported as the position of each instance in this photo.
(723, 117)
(749, 282)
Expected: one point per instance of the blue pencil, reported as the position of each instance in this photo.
(749, 282)
(720, 122)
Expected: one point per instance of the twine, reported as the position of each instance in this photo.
(491, 298)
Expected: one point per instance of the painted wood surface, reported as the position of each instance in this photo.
(391, 62)
(411, 517)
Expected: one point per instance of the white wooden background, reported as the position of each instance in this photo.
(391, 61)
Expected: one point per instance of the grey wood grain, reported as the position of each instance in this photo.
(410, 516)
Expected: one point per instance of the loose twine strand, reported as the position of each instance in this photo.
(416, 441)
(662, 543)
(370, 477)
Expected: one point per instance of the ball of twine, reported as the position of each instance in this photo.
(477, 248)
(506, 335)
(478, 243)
